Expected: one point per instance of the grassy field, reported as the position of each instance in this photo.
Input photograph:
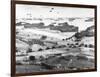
(30, 68)
(57, 63)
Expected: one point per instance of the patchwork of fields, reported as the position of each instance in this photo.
(43, 49)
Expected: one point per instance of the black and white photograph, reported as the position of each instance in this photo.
(54, 38)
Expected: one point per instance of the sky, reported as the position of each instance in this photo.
(39, 11)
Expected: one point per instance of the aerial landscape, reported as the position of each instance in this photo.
(52, 41)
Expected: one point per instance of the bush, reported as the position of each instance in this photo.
(47, 48)
(67, 49)
(63, 39)
(82, 58)
(69, 57)
(85, 45)
(91, 46)
(40, 49)
(68, 44)
(42, 58)
(81, 45)
(16, 50)
(43, 37)
(32, 58)
(61, 46)
(78, 35)
(76, 43)
(29, 50)
(53, 47)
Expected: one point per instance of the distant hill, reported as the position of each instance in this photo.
(89, 19)
(62, 27)
(89, 32)
(91, 28)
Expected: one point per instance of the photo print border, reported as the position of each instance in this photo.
(13, 36)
